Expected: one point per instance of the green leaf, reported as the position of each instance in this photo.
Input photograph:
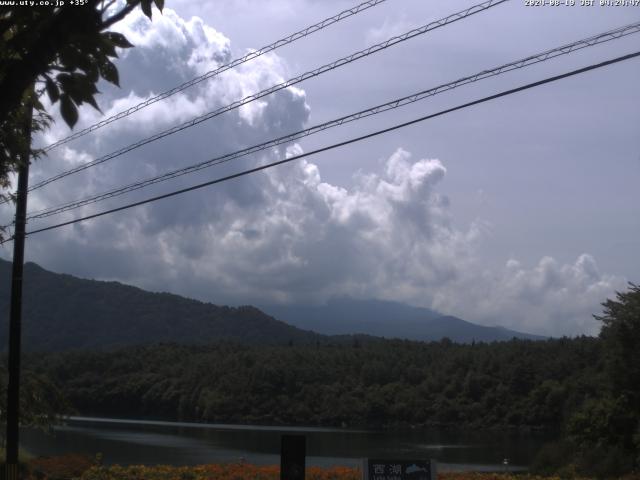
(117, 39)
(68, 110)
(107, 47)
(84, 84)
(65, 80)
(109, 72)
(85, 58)
(81, 89)
(93, 73)
(70, 57)
(37, 105)
(146, 7)
(92, 101)
(159, 4)
(52, 90)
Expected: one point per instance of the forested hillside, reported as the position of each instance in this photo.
(585, 388)
(65, 312)
(517, 383)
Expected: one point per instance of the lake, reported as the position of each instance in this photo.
(148, 442)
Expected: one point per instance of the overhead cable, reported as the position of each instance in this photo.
(525, 62)
(293, 81)
(223, 68)
(340, 144)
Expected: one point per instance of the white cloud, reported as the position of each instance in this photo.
(285, 234)
(548, 298)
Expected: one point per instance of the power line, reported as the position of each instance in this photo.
(293, 81)
(528, 61)
(341, 144)
(212, 73)
(310, 74)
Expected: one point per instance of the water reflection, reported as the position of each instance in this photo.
(145, 442)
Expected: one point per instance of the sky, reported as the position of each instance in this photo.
(520, 212)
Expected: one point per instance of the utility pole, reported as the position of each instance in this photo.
(15, 318)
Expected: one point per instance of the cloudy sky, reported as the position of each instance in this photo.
(520, 212)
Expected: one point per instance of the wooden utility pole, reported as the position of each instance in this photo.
(15, 318)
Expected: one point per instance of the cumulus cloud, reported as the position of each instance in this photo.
(284, 235)
(188, 48)
(548, 298)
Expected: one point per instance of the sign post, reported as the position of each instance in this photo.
(292, 457)
(379, 469)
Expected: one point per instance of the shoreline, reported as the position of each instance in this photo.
(400, 427)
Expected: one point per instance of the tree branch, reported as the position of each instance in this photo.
(119, 16)
(104, 8)
(39, 54)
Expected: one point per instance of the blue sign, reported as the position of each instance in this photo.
(377, 469)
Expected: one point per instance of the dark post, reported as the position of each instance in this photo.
(15, 318)
(292, 457)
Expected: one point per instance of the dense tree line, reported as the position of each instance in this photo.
(383, 383)
(41, 401)
(587, 388)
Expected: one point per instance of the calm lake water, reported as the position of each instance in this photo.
(145, 442)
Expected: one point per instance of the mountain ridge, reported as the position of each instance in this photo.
(61, 312)
(345, 315)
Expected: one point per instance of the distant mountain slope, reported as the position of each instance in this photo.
(388, 319)
(64, 312)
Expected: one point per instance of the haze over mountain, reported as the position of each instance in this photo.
(65, 312)
(345, 315)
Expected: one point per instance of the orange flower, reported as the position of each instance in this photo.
(84, 468)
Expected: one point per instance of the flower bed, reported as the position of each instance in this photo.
(84, 468)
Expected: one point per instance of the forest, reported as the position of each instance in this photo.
(587, 389)
(381, 383)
